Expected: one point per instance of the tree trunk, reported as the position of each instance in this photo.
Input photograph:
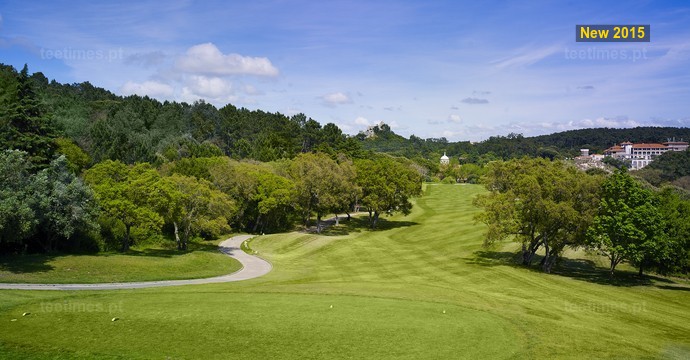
(529, 252)
(348, 216)
(548, 265)
(376, 220)
(177, 236)
(256, 224)
(337, 220)
(125, 241)
(547, 255)
(640, 272)
(318, 223)
(613, 266)
(48, 245)
(185, 236)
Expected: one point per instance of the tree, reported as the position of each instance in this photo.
(65, 204)
(321, 185)
(40, 209)
(540, 203)
(77, 158)
(387, 186)
(193, 205)
(274, 198)
(628, 225)
(18, 218)
(25, 124)
(126, 194)
(673, 255)
(238, 180)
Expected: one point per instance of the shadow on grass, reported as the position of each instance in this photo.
(26, 263)
(668, 287)
(172, 251)
(579, 269)
(358, 224)
(35, 263)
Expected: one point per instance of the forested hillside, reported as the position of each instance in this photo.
(562, 144)
(603, 138)
(140, 129)
(83, 168)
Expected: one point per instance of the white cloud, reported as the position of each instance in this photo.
(395, 126)
(616, 122)
(336, 98)
(454, 118)
(526, 57)
(474, 101)
(208, 87)
(251, 90)
(208, 59)
(146, 59)
(362, 121)
(450, 134)
(150, 88)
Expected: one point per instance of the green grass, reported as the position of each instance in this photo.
(139, 264)
(389, 290)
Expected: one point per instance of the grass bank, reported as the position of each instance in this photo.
(139, 264)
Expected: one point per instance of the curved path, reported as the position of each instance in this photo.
(252, 267)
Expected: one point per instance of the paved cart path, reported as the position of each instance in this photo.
(252, 267)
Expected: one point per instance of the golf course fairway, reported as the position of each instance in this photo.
(420, 287)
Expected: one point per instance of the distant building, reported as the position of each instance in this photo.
(445, 160)
(676, 145)
(640, 155)
(586, 161)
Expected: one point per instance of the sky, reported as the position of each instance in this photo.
(463, 70)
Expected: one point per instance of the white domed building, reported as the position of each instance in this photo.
(445, 160)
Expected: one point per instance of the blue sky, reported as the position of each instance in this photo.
(462, 70)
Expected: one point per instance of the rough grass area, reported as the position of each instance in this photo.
(139, 264)
(421, 287)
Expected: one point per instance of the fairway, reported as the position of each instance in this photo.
(420, 287)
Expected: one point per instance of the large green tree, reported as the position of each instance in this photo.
(127, 194)
(387, 186)
(322, 185)
(24, 122)
(193, 206)
(628, 225)
(40, 210)
(66, 205)
(540, 203)
(18, 218)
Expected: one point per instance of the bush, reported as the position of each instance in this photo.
(448, 180)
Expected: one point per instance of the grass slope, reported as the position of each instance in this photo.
(422, 287)
(145, 264)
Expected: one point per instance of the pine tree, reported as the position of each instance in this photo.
(25, 124)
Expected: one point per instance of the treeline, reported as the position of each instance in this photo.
(548, 206)
(116, 205)
(553, 146)
(672, 167)
(601, 139)
(85, 169)
(136, 129)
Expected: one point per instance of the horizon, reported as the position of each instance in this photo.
(465, 72)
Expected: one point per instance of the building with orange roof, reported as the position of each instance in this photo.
(640, 155)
